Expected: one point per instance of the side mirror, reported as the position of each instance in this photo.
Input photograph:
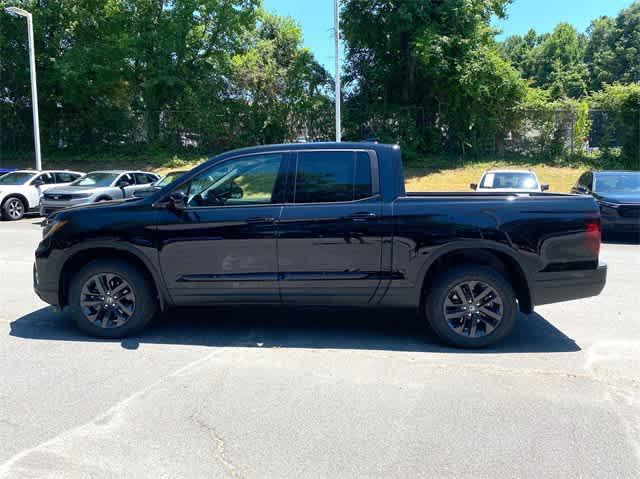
(582, 189)
(178, 200)
(474, 186)
(544, 187)
(123, 184)
(37, 182)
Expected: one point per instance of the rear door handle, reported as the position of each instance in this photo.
(362, 216)
(261, 219)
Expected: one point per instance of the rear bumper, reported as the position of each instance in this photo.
(620, 225)
(568, 285)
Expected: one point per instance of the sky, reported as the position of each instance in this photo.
(316, 18)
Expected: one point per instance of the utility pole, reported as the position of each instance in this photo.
(34, 86)
(336, 22)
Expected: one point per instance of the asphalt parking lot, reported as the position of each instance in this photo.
(255, 393)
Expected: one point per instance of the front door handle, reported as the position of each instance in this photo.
(362, 216)
(261, 219)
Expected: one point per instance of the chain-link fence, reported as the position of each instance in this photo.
(544, 133)
(229, 126)
(560, 133)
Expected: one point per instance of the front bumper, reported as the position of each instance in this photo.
(623, 218)
(48, 207)
(560, 286)
(46, 292)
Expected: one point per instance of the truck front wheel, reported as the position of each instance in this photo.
(471, 306)
(111, 299)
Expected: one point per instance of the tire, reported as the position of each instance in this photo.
(126, 308)
(476, 326)
(13, 208)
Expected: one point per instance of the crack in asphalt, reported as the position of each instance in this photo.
(220, 453)
(101, 420)
(612, 378)
(623, 392)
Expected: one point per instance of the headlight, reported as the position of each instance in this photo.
(51, 226)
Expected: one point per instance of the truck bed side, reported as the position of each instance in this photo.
(538, 237)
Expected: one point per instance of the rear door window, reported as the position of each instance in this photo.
(142, 179)
(47, 178)
(64, 177)
(332, 176)
(363, 182)
(128, 178)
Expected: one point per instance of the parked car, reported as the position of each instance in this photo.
(515, 181)
(21, 191)
(617, 194)
(161, 183)
(95, 187)
(320, 224)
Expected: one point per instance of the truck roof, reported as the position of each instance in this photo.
(330, 145)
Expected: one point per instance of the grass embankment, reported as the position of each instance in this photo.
(559, 178)
(430, 174)
(149, 160)
(451, 174)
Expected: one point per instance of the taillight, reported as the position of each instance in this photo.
(593, 236)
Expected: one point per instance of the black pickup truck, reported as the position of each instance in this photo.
(320, 224)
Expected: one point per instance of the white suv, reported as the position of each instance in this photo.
(20, 191)
(509, 181)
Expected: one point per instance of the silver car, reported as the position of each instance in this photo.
(94, 187)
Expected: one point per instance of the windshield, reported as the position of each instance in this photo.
(16, 178)
(170, 178)
(617, 182)
(97, 179)
(510, 180)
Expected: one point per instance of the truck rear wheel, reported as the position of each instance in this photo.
(471, 306)
(111, 299)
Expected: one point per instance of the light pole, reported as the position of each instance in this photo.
(336, 22)
(34, 87)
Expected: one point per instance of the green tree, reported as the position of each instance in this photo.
(518, 50)
(280, 83)
(177, 48)
(622, 103)
(599, 53)
(613, 50)
(557, 63)
(437, 57)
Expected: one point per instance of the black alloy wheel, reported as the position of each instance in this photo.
(112, 298)
(470, 306)
(473, 309)
(107, 300)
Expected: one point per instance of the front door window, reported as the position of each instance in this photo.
(245, 181)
